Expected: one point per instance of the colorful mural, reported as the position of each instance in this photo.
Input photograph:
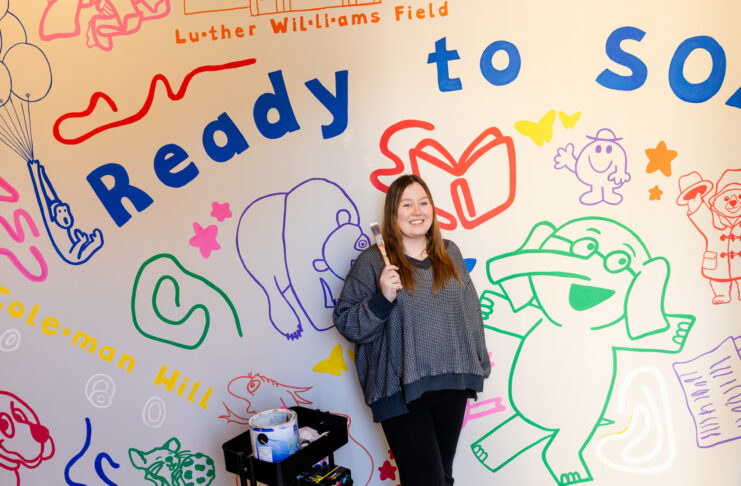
(186, 184)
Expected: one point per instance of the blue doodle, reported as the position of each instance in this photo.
(72, 244)
(98, 460)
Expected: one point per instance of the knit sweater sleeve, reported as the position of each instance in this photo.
(361, 311)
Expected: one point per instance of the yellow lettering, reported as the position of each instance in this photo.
(5, 291)
(191, 395)
(129, 363)
(169, 382)
(49, 326)
(181, 388)
(29, 321)
(16, 310)
(85, 341)
(107, 353)
(204, 400)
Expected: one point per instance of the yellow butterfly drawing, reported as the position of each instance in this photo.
(539, 132)
(334, 365)
(569, 121)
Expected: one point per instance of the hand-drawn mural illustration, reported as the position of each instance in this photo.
(482, 408)
(18, 235)
(575, 295)
(24, 442)
(569, 121)
(154, 412)
(334, 365)
(718, 219)
(143, 111)
(62, 18)
(205, 239)
(601, 164)
(255, 392)
(157, 311)
(220, 211)
(168, 465)
(469, 198)
(99, 390)
(712, 389)
(539, 132)
(660, 158)
(99, 458)
(10, 340)
(264, 7)
(72, 244)
(655, 193)
(387, 470)
(646, 445)
(25, 78)
(293, 265)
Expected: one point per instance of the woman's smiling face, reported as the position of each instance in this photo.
(415, 212)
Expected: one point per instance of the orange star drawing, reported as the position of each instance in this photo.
(654, 194)
(660, 158)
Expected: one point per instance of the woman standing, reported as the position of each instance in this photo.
(416, 323)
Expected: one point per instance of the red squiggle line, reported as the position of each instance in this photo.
(98, 95)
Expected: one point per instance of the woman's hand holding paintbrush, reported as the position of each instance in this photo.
(389, 281)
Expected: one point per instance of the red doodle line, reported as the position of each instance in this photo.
(147, 104)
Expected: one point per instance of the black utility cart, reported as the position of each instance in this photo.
(332, 428)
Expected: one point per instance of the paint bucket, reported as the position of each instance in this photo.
(274, 434)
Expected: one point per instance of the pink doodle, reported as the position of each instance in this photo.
(205, 239)
(718, 218)
(23, 440)
(220, 211)
(495, 404)
(61, 19)
(18, 235)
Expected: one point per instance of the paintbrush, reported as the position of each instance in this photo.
(376, 230)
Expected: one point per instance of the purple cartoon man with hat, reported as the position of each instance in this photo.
(601, 165)
(718, 218)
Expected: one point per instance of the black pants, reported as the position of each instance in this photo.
(424, 440)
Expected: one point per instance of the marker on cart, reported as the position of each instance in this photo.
(376, 230)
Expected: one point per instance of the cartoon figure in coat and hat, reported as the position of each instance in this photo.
(602, 165)
(718, 218)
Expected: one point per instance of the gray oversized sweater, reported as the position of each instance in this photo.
(420, 342)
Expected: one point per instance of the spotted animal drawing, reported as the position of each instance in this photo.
(167, 465)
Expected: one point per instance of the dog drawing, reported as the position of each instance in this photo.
(23, 440)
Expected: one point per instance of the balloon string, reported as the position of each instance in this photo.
(9, 139)
(13, 131)
(10, 142)
(28, 127)
(21, 132)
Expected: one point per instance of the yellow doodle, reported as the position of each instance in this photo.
(569, 121)
(539, 132)
(334, 365)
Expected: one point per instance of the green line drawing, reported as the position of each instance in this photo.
(188, 330)
(168, 465)
(575, 295)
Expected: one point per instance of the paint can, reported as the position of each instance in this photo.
(274, 434)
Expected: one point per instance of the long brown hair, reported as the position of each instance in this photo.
(443, 269)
